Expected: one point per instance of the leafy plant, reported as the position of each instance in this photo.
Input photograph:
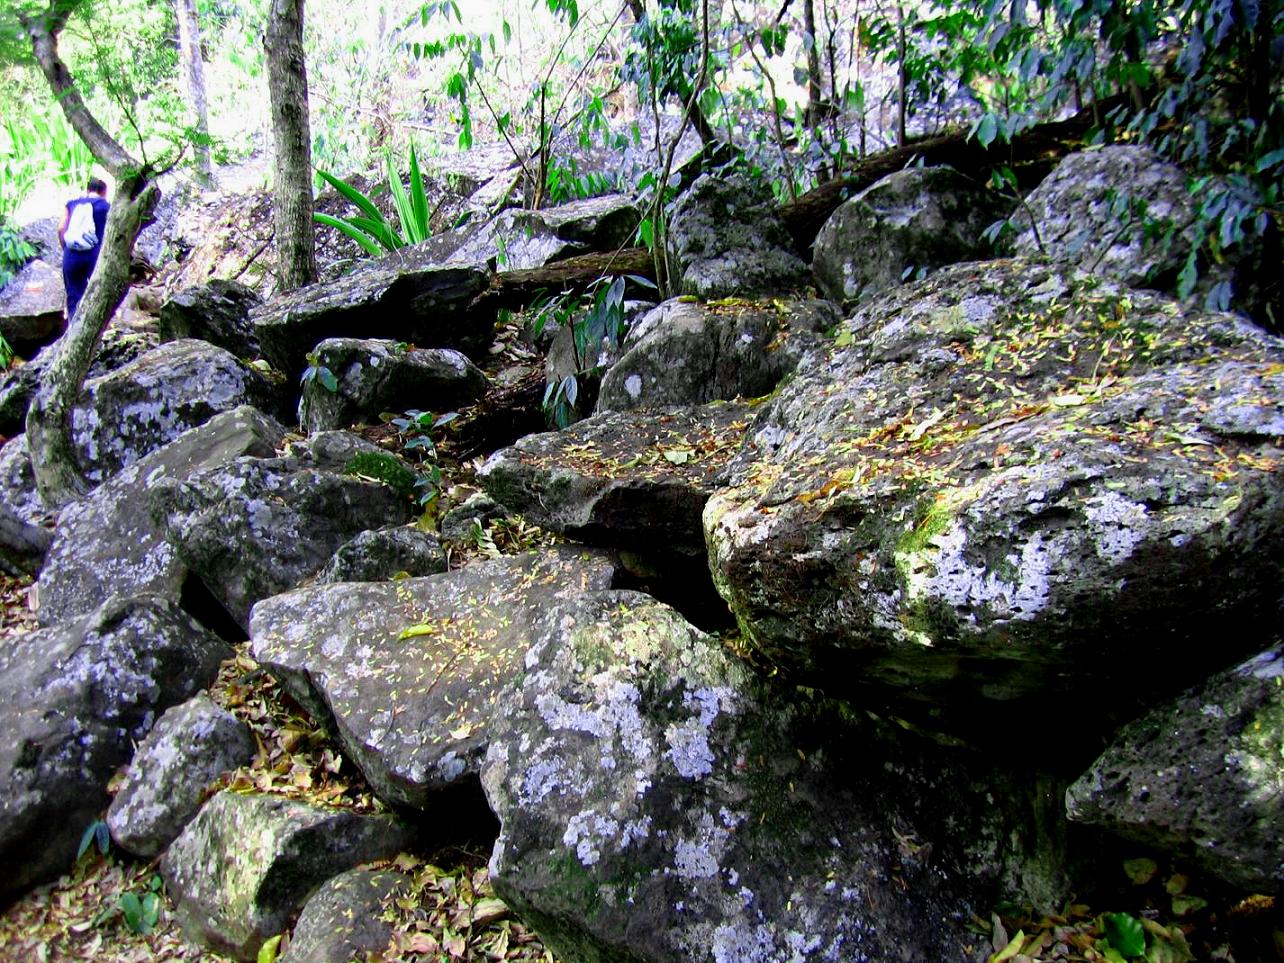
(95, 832)
(14, 253)
(142, 913)
(371, 228)
(414, 429)
(316, 371)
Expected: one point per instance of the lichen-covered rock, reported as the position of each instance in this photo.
(1015, 483)
(378, 556)
(217, 312)
(910, 222)
(191, 746)
(637, 479)
(344, 919)
(398, 297)
(377, 376)
(478, 510)
(685, 353)
(146, 404)
(1120, 211)
(108, 543)
(658, 805)
(1202, 776)
(409, 670)
(260, 526)
(18, 483)
(73, 700)
(726, 239)
(247, 863)
(31, 307)
(516, 240)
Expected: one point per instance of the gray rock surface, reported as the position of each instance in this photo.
(1015, 484)
(73, 700)
(685, 353)
(246, 864)
(31, 307)
(399, 297)
(108, 543)
(217, 312)
(260, 526)
(915, 220)
(516, 240)
(342, 921)
(149, 402)
(1108, 211)
(1201, 777)
(727, 239)
(191, 745)
(18, 483)
(458, 524)
(656, 805)
(378, 556)
(637, 479)
(376, 376)
(409, 670)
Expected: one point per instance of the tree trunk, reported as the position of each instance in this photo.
(189, 49)
(814, 108)
(291, 133)
(53, 461)
(58, 473)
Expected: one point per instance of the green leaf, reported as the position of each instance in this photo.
(1140, 871)
(418, 200)
(678, 456)
(1125, 933)
(350, 193)
(268, 951)
(328, 381)
(1009, 951)
(368, 243)
(1183, 905)
(417, 630)
(987, 129)
(1267, 161)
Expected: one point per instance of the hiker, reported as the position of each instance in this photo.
(81, 235)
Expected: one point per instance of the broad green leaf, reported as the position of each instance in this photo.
(367, 242)
(1125, 933)
(350, 193)
(269, 950)
(1140, 871)
(987, 129)
(1183, 904)
(678, 456)
(1009, 951)
(417, 630)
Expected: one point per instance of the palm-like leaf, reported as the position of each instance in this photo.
(369, 243)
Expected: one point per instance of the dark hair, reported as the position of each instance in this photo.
(95, 186)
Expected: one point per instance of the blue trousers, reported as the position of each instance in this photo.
(77, 266)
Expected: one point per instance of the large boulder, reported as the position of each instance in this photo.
(1119, 211)
(108, 543)
(379, 556)
(687, 353)
(1201, 776)
(31, 307)
(259, 526)
(248, 863)
(375, 376)
(217, 312)
(636, 479)
(191, 746)
(726, 239)
(18, 484)
(409, 670)
(516, 240)
(146, 404)
(906, 224)
(1016, 484)
(73, 701)
(659, 804)
(402, 297)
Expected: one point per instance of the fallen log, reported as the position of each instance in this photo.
(514, 290)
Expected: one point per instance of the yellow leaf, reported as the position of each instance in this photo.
(423, 628)
(1009, 951)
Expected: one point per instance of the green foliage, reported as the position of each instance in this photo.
(38, 145)
(95, 832)
(142, 913)
(596, 321)
(414, 431)
(316, 371)
(376, 234)
(1124, 933)
(14, 253)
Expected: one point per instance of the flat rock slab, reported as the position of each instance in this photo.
(690, 353)
(247, 864)
(638, 479)
(260, 526)
(73, 701)
(217, 312)
(107, 543)
(1201, 777)
(374, 376)
(147, 403)
(191, 745)
(1015, 483)
(657, 805)
(409, 670)
(396, 297)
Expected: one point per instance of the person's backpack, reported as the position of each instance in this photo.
(81, 234)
